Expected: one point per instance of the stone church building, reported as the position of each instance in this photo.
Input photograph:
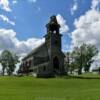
(47, 59)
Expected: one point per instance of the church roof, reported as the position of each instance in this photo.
(36, 50)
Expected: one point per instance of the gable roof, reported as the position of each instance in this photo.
(43, 45)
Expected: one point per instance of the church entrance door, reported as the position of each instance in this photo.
(56, 64)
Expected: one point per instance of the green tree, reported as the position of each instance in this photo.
(90, 52)
(84, 56)
(77, 62)
(67, 62)
(70, 62)
(8, 61)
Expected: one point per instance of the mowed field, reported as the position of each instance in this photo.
(29, 88)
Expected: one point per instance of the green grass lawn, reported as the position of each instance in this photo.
(29, 88)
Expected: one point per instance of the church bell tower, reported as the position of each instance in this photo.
(53, 43)
(53, 37)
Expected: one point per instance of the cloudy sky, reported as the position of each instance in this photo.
(22, 23)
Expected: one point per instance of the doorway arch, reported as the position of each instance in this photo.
(56, 63)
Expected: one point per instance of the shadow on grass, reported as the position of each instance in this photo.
(65, 77)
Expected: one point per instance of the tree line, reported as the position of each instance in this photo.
(80, 58)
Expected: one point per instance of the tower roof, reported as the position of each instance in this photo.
(53, 21)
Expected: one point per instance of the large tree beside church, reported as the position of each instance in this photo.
(8, 61)
(82, 57)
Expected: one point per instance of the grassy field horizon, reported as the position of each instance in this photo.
(29, 88)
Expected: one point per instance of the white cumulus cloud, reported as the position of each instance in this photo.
(64, 27)
(87, 28)
(8, 40)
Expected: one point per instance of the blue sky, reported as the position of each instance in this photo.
(31, 17)
(22, 22)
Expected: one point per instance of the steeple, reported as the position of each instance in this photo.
(53, 37)
(53, 26)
